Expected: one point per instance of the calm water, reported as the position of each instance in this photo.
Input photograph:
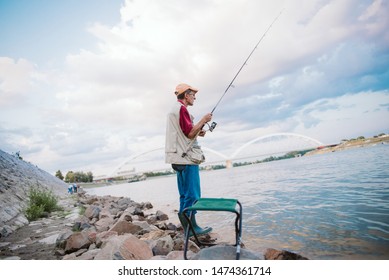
(332, 206)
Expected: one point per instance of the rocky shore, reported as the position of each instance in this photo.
(92, 227)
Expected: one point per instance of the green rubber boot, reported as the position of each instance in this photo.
(197, 229)
(184, 223)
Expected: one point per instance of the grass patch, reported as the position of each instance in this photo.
(40, 202)
(81, 210)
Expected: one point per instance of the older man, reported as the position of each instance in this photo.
(181, 134)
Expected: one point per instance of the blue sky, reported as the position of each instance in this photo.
(44, 30)
(85, 85)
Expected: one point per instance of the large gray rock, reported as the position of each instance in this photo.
(92, 211)
(163, 245)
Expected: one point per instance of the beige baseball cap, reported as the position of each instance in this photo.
(184, 87)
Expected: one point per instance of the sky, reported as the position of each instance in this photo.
(86, 85)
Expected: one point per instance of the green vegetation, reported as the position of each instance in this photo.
(363, 138)
(40, 202)
(159, 173)
(77, 177)
(214, 167)
(81, 210)
(379, 135)
(59, 175)
(273, 158)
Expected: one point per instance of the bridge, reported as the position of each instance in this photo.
(269, 145)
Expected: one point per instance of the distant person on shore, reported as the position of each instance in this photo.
(182, 150)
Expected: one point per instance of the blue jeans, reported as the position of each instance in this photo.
(188, 181)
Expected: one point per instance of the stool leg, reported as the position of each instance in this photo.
(238, 228)
(189, 230)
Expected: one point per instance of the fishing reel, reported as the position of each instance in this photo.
(212, 126)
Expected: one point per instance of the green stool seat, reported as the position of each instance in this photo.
(214, 204)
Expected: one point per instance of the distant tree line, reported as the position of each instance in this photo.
(75, 177)
(363, 137)
(158, 173)
(273, 158)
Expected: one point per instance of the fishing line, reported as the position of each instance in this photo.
(213, 125)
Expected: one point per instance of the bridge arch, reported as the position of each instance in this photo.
(223, 156)
(127, 161)
(132, 158)
(237, 151)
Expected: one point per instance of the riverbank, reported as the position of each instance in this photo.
(351, 144)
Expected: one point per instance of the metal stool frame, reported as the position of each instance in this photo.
(197, 206)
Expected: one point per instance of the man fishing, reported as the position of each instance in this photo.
(182, 150)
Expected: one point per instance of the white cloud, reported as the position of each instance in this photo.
(347, 116)
(16, 80)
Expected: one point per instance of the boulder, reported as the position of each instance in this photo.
(273, 254)
(81, 223)
(146, 205)
(161, 216)
(123, 203)
(138, 211)
(104, 224)
(163, 245)
(160, 242)
(145, 227)
(124, 247)
(103, 237)
(105, 213)
(179, 244)
(122, 227)
(92, 211)
(62, 239)
(77, 241)
(153, 235)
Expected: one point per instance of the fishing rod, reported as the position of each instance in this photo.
(213, 125)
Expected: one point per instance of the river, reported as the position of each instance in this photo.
(327, 207)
